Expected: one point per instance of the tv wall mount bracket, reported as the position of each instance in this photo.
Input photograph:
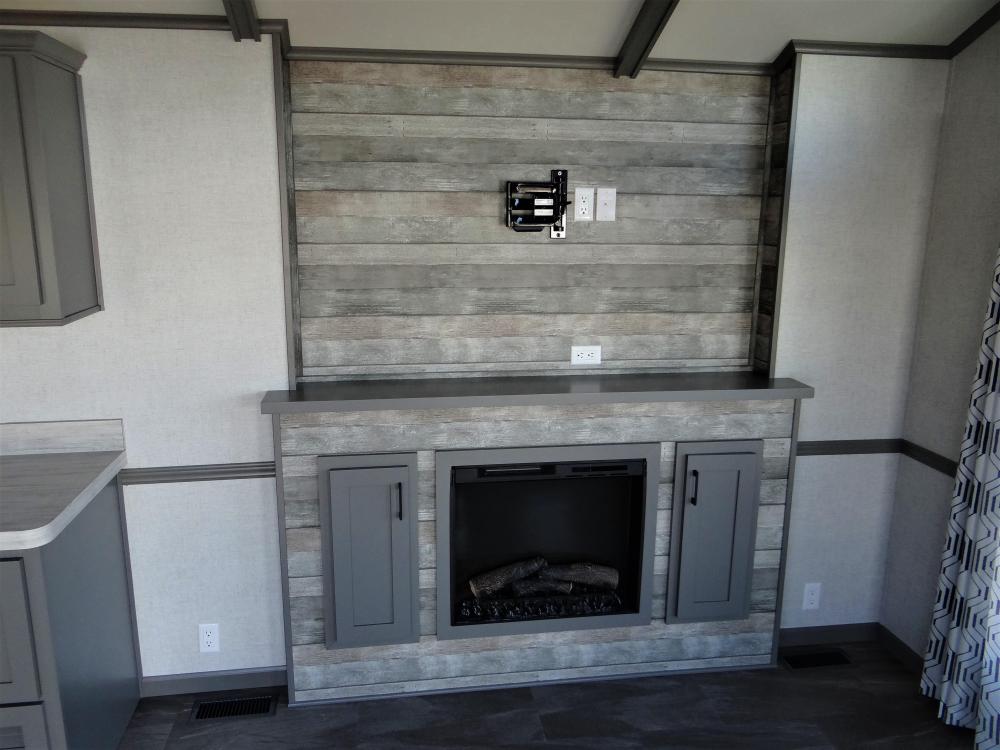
(532, 206)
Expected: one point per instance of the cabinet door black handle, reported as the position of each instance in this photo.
(694, 495)
(399, 489)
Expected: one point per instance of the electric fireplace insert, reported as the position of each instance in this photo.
(543, 539)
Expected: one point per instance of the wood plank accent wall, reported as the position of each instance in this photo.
(769, 244)
(321, 674)
(405, 267)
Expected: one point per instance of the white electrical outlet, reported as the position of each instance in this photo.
(585, 355)
(208, 638)
(606, 200)
(583, 204)
(811, 595)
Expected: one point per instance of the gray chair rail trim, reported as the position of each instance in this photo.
(890, 445)
(207, 682)
(197, 473)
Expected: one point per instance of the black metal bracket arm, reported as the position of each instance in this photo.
(532, 206)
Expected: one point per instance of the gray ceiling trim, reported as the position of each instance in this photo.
(345, 54)
(979, 27)
(646, 29)
(859, 49)
(113, 20)
(708, 66)
(199, 473)
(243, 20)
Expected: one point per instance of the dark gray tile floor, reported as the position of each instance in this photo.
(872, 702)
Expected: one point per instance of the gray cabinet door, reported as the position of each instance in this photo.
(18, 678)
(369, 529)
(20, 282)
(718, 518)
(23, 728)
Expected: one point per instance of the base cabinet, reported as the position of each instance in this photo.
(68, 674)
(717, 490)
(369, 531)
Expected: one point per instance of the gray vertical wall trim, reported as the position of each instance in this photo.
(789, 487)
(286, 209)
(785, 201)
(765, 192)
(646, 29)
(286, 615)
(128, 579)
(979, 27)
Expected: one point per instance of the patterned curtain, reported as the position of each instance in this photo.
(962, 664)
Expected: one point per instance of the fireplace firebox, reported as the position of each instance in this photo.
(543, 539)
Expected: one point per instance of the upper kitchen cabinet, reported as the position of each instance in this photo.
(49, 273)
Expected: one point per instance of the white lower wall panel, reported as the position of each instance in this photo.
(838, 535)
(919, 524)
(206, 552)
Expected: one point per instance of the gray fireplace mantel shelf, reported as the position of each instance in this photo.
(443, 393)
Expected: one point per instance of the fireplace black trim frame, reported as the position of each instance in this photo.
(445, 461)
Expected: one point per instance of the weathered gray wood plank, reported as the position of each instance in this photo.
(618, 348)
(520, 678)
(408, 176)
(392, 204)
(316, 303)
(459, 150)
(527, 369)
(442, 254)
(455, 435)
(483, 276)
(543, 79)
(352, 229)
(466, 326)
(512, 102)
(525, 128)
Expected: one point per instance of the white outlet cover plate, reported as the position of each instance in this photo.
(583, 204)
(585, 355)
(208, 638)
(811, 595)
(607, 199)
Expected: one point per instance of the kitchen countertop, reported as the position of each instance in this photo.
(444, 393)
(41, 493)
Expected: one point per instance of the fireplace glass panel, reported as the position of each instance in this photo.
(588, 515)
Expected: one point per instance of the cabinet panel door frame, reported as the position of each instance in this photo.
(18, 638)
(30, 720)
(752, 448)
(326, 464)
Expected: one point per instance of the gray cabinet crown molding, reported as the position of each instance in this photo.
(43, 46)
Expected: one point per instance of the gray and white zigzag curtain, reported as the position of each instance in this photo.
(962, 664)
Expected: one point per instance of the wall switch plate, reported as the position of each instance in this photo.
(606, 200)
(208, 638)
(583, 204)
(811, 595)
(585, 355)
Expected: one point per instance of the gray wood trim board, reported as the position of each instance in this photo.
(43, 492)
(649, 23)
(442, 393)
(211, 682)
(197, 473)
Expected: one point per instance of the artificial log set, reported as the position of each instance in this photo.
(532, 589)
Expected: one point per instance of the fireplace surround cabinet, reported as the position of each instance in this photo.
(688, 607)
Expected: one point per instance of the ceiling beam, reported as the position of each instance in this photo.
(648, 25)
(243, 20)
(979, 27)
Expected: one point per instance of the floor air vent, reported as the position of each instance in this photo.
(233, 708)
(816, 657)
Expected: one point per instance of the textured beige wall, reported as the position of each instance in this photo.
(183, 149)
(961, 247)
(863, 167)
(962, 244)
